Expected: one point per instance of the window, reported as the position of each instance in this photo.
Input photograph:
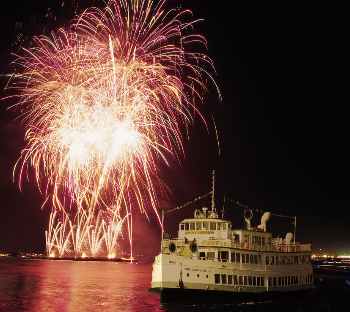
(259, 259)
(219, 226)
(188, 274)
(251, 258)
(217, 278)
(279, 281)
(235, 280)
(243, 258)
(202, 255)
(245, 279)
(187, 226)
(254, 280)
(262, 281)
(250, 280)
(229, 279)
(224, 226)
(238, 257)
(270, 282)
(192, 226)
(233, 257)
(198, 225)
(205, 225)
(197, 275)
(223, 279)
(275, 281)
(182, 226)
(273, 260)
(247, 258)
(211, 255)
(240, 280)
(223, 256)
(212, 226)
(256, 259)
(267, 260)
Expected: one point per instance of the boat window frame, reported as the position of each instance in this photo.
(198, 226)
(217, 278)
(238, 256)
(223, 279)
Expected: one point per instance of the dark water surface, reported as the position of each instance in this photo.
(44, 285)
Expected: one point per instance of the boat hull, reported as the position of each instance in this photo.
(173, 295)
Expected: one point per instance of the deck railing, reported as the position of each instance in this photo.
(274, 247)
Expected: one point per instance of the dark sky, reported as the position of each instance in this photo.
(283, 122)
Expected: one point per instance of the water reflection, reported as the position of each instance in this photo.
(36, 285)
(39, 285)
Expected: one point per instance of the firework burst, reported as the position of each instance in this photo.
(104, 102)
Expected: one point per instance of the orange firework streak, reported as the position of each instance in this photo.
(104, 103)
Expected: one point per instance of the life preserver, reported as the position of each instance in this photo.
(172, 247)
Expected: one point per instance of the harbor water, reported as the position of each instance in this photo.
(73, 286)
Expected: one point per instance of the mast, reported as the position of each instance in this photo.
(213, 209)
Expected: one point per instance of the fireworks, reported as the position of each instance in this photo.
(104, 102)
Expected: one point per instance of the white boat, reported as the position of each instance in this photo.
(209, 257)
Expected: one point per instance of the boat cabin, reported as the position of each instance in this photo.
(205, 226)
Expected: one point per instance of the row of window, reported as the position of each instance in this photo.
(237, 257)
(205, 225)
(271, 260)
(281, 281)
(240, 280)
(290, 280)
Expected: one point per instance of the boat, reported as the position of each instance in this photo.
(210, 260)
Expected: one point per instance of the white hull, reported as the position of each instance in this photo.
(176, 272)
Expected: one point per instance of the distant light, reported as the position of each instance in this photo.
(344, 256)
(111, 255)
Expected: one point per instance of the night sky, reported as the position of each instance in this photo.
(282, 122)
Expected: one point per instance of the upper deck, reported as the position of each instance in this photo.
(208, 230)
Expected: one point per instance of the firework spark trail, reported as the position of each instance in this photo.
(84, 234)
(104, 102)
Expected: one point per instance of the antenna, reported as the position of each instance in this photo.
(213, 192)
(223, 208)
